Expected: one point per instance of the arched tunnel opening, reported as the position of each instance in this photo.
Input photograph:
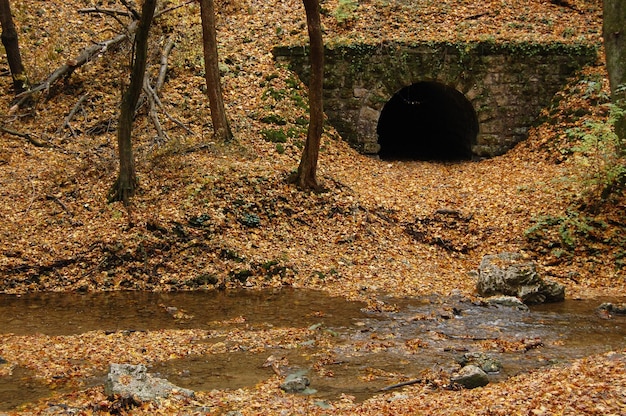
(427, 121)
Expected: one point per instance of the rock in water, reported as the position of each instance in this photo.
(509, 274)
(484, 361)
(507, 302)
(129, 380)
(295, 383)
(470, 377)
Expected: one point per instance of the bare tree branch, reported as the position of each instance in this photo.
(131, 9)
(110, 12)
(70, 116)
(152, 98)
(169, 9)
(167, 49)
(70, 66)
(26, 136)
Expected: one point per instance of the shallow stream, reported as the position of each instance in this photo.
(371, 350)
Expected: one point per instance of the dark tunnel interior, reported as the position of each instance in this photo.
(427, 121)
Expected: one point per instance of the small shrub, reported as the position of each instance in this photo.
(601, 155)
(274, 135)
(563, 232)
(273, 119)
(302, 121)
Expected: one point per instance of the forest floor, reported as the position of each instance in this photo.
(210, 215)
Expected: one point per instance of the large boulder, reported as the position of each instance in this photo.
(134, 381)
(470, 377)
(509, 274)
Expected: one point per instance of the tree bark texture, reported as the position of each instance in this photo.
(221, 127)
(307, 170)
(126, 183)
(614, 33)
(11, 45)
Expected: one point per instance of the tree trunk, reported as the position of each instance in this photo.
(126, 183)
(306, 178)
(614, 31)
(11, 45)
(221, 127)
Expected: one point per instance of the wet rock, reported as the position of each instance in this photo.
(134, 381)
(607, 309)
(485, 362)
(295, 383)
(470, 377)
(509, 274)
(507, 302)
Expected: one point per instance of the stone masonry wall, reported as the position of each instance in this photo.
(507, 84)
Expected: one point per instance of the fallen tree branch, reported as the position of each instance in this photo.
(169, 9)
(167, 49)
(26, 136)
(152, 111)
(59, 203)
(88, 54)
(70, 66)
(110, 12)
(64, 207)
(131, 9)
(70, 116)
(176, 121)
(38, 269)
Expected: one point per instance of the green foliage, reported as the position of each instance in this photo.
(273, 268)
(344, 12)
(302, 121)
(272, 92)
(202, 280)
(564, 232)
(274, 135)
(592, 89)
(293, 83)
(286, 102)
(281, 135)
(589, 226)
(274, 119)
(600, 152)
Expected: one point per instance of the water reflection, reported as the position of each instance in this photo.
(441, 328)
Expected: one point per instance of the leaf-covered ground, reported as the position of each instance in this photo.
(213, 215)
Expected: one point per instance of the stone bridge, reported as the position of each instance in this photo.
(441, 101)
